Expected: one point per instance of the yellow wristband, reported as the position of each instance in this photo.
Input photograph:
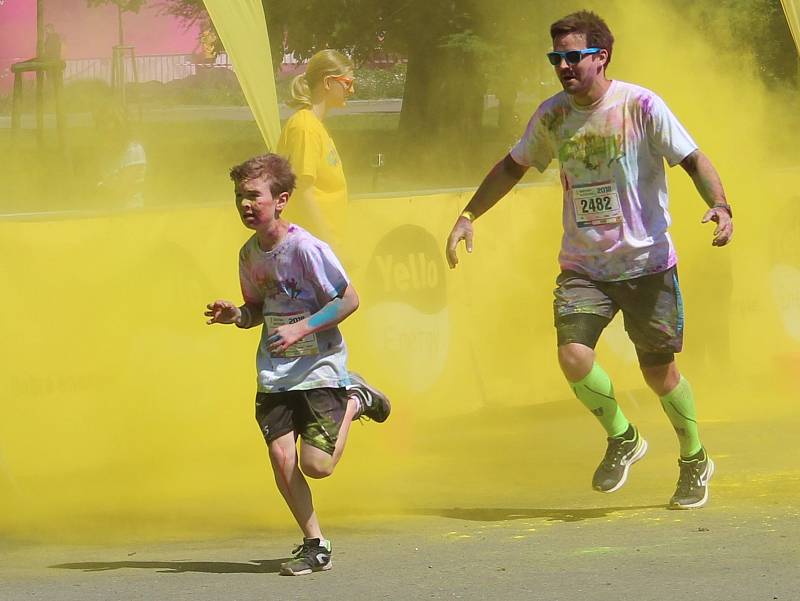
(468, 215)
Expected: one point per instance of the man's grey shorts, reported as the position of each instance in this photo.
(651, 306)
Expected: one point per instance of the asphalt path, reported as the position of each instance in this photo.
(540, 535)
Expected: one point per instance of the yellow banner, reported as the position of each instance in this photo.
(117, 399)
(242, 28)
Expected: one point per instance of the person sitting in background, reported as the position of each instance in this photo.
(125, 161)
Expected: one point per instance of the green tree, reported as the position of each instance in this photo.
(123, 6)
(756, 27)
(455, 50)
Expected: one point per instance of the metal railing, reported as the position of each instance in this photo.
(156, 67)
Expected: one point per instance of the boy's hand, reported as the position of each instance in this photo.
(285, 336)
(222, 311)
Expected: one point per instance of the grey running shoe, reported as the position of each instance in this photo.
(692, 488)
(374, 404)
(309, 557)
(621, 454)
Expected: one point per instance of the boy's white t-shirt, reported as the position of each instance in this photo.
(295, 280)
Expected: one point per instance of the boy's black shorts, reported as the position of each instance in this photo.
(315, 415)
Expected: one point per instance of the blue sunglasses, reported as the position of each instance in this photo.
(573, 57)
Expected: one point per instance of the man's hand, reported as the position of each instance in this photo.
(286, 335)
(497, 183)
(462, 230)
(724, 230)
(222, 311)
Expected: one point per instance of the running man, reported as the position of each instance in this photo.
(611, 139)
(296, 289)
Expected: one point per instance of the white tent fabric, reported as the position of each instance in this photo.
(242, 28)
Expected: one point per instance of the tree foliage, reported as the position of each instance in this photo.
(456, 49)
(751, 27)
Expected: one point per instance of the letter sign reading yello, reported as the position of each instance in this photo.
(413, 272)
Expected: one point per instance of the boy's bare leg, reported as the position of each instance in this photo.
(292, 484)
(315, 462)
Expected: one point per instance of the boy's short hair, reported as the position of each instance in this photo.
(591, 25)
(272, 167)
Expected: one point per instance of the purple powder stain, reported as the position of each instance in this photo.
(646, 102)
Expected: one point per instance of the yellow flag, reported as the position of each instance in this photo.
(243, 30)
(792, 10)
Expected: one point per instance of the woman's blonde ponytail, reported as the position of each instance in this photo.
(301, 93)
(321, 65)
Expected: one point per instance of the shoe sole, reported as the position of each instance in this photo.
(702, 501)
(324, 568)
(636, 457)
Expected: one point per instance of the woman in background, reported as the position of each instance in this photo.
(320, 201)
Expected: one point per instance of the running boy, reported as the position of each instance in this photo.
(295, 286)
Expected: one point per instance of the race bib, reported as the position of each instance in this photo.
(304, 346)
(596, 204)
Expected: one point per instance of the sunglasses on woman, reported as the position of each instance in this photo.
(573, 57)
(347, 82)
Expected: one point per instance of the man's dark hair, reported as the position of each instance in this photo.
(591, 25)
(272, 167)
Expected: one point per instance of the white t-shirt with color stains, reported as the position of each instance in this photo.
(295, 280)
(611, 154)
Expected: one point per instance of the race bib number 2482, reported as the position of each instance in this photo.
(596, 204)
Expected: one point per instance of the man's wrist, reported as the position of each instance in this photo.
(468, 215)
(725, 206)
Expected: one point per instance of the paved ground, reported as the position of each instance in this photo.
(613, 552)
(541, 535)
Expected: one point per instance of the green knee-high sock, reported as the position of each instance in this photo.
(679, 407)
(596, 391)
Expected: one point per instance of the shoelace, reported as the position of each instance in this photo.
(301, 550)
(613, 453)
(689, 476)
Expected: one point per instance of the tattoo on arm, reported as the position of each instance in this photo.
(706, 179)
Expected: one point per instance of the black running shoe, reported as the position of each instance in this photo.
(621, 454)
(692, 488)
(374, 404)
(309, 557)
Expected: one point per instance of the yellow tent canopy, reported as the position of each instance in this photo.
(792, 10)
(242, 28)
